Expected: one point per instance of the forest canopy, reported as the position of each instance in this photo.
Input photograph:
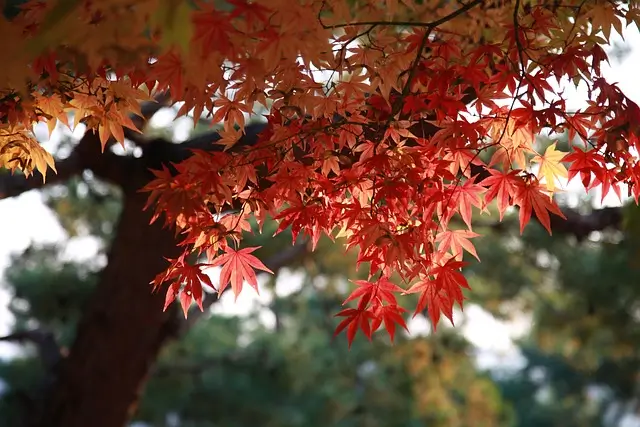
(388, 124)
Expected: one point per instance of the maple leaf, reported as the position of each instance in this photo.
(609, 180)
(40, 158)
(237, 267)
(366, 291)
(578, 123)
(587, 164)
(434, 299)
(531, 197)
(457, 240)
(449, 278)
(605, 18)
(229, 137)
(502, 186)
(514, 142)
(54, 108)
(551, 167)
(466, 196)
(354, 319)
(230, 112)
(390, 316)
(187, 284)
(18, 149)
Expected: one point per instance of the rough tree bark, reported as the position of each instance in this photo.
(123, 327)
(122, 330)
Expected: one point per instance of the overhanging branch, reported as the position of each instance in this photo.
(87, 154)
(577, 224)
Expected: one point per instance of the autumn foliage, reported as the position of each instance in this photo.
(389, 123)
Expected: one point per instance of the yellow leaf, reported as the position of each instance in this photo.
(603, 18)
(54, 108)
(551, 166)
(19, 150)
(40, 158)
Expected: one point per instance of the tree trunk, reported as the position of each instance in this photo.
(121, 332)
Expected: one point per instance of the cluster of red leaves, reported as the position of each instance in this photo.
(391, 158)
(393, 190)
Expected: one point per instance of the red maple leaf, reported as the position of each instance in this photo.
(457, 240)
(609, 180)
(367, 291)
(585, 163)
(432, 298)
(440, 291)
(464, 197)
(502, 186)
(354, 319)
(192, 277)
(238, 266)
(390, 315)
(530, 197)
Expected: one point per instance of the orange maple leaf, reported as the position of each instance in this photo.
(530, 197)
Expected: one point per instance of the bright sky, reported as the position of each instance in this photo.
(25, 219)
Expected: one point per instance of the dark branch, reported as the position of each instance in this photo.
(45, 342)
(578, 225)
(87, 154)
(12, 185)
(581, 225)
(429, 25)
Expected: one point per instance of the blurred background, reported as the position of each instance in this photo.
(549, 335)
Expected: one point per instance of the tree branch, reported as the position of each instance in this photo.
(577, 224)
(87, 154)
(581, 225)
(12, 185)
(48, 349)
